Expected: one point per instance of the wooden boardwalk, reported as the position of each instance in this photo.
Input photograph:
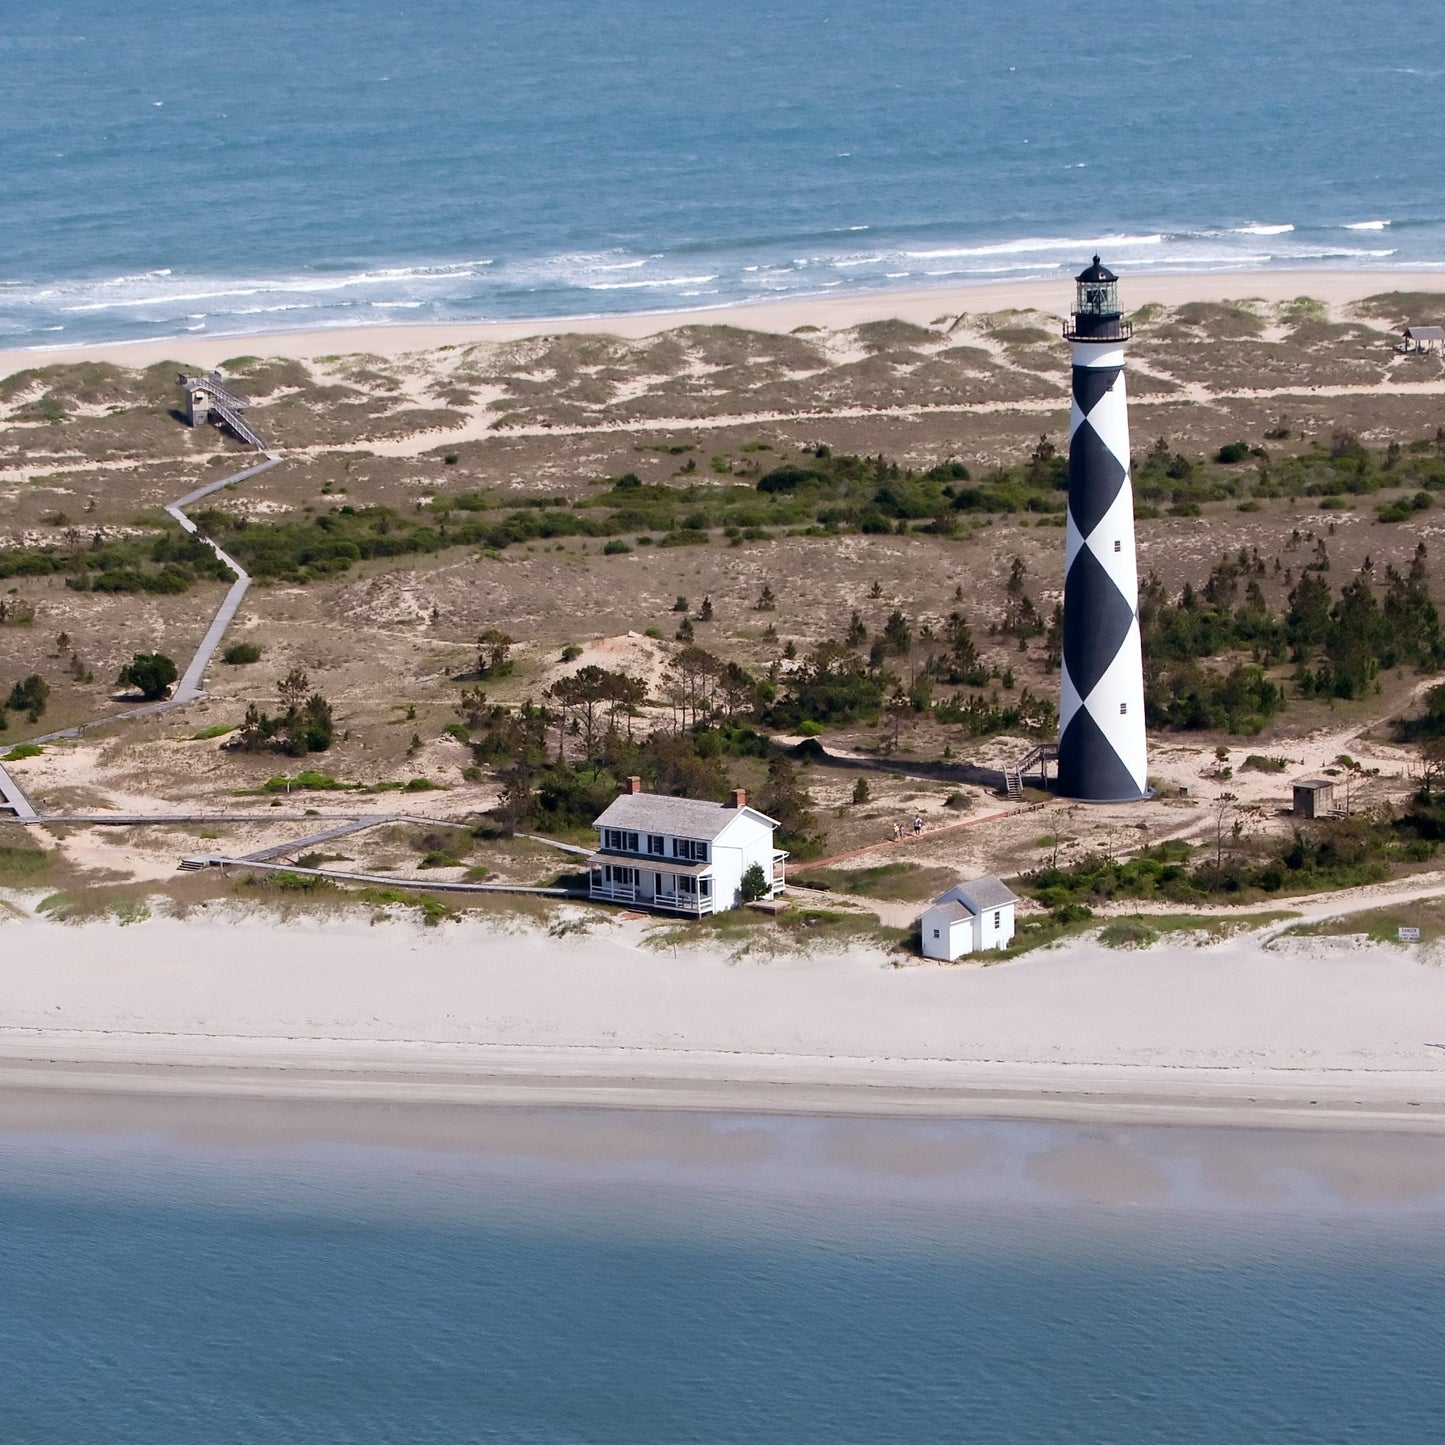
(189, 688)
(14, 798)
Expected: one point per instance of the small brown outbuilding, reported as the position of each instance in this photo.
(1314, 798)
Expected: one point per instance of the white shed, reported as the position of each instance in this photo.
(969, 917)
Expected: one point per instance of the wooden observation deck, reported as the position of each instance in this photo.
(208, 398)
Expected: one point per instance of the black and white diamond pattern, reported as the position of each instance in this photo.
(1102, 755)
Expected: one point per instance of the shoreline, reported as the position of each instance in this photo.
(831, 311)
(61, 1083)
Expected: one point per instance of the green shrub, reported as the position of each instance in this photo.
(1127, 933)
(305, 781)
(150, 673)
(1261, 764)
(240, 654)
(1403, 508)
(615, 548)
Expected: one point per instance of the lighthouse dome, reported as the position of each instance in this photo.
(1096, 273)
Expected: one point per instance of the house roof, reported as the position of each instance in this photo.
(680, 817)
(651, 865)
(951, 912)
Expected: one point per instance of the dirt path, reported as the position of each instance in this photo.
(480, 424)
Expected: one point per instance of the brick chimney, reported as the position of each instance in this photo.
(634, 785)
(739, 799)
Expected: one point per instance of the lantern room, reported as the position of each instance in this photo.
(1096, 315)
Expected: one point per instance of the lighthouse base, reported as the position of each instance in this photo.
(1095, 768)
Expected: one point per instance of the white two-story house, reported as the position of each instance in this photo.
(681, 855)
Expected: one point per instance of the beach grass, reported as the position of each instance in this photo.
(1381, 925)
(23, 865)
(907, 882)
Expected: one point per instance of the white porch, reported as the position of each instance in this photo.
(685, 890)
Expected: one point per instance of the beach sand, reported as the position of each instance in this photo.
(241, 1006)
(1337, 288)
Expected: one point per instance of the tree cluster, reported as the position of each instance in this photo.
(1337, 641)
(28, 696)
(304, 725)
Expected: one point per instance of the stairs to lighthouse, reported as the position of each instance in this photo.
(1035, 761)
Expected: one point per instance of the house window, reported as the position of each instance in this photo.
(691, 849)
(704, 886)
(622, 877)
(935, 933)
(1123, 708)
(656, 844)
(998, 919)
(1118, 545)
(620, 841)
(687, 885)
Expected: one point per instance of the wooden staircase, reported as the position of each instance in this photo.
(223, 406)
(1036, 761)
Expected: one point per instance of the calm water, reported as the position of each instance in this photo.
(154, 1293)
(270, 165)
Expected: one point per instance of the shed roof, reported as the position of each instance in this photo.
(951, 912)
(679, 817)
(1425, 333)
(1315, 784)
(987, 892)
(978, 894)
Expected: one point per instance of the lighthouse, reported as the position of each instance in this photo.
(1102, 754)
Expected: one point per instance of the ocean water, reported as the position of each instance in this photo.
(339, 1295)
(273, 165)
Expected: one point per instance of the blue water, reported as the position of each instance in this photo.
(171, 170)
(151, 1292)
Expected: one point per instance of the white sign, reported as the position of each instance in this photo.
(1409, 935)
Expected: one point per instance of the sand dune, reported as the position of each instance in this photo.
(831, 312)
